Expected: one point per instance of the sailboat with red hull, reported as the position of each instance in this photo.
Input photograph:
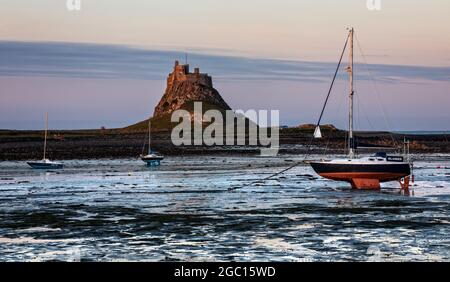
(366, 172)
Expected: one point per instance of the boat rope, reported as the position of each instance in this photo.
(338, 111)
(332, 83)
(365, 113)
(312, 137)
(377, 92)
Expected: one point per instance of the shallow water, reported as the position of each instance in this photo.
(108, 210)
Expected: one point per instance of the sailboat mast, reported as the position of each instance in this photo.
(149, 137)
(45, 134)
(350, 119)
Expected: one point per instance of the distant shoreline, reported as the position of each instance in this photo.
(423, 132)
(407, 132)
(120, 143)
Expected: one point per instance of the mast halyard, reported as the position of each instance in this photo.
(45, 134)
(351, 153)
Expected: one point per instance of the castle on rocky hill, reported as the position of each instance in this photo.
(181, 73)
(184, 86)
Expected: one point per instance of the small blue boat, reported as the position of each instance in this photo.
(152, 159)
(45, 163)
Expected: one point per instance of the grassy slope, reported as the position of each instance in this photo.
(163, 123)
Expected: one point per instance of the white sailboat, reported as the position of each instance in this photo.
(45, 163)
(152, 158)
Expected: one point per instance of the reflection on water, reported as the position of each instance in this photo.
(106, 210)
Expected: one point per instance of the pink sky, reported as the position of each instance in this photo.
(404, 32)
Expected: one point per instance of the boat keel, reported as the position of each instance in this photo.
(365, 183)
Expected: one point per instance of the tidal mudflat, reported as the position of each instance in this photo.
(120, 210)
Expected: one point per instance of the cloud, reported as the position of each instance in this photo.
(80, 60)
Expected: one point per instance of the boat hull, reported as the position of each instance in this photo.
(362, 176)
(152, 161)
(41, 165)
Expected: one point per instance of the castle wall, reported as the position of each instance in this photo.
(181, 73)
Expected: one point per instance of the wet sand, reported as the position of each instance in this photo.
(118, 209)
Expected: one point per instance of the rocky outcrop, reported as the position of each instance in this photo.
(310, 126)
(184, 87)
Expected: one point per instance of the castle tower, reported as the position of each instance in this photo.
(181, 73)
